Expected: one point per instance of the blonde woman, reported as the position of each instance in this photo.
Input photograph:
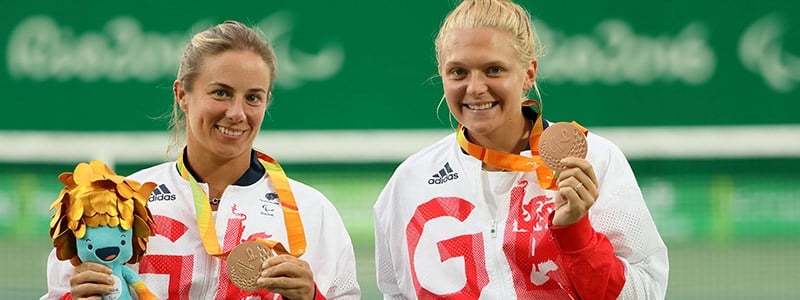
(478, 216)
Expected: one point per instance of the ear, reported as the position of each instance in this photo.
(530, 75)
(180, 94)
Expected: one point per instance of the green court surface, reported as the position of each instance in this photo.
(713, 255)
(698, 271)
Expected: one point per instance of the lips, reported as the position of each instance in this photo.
(483, 106)
(230, 132)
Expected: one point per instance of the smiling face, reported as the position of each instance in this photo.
(226, 105)
(105, 245)
(484, 82)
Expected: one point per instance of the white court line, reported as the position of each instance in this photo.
(353, 146)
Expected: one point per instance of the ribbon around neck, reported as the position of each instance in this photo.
(512, 161)
(291, 214)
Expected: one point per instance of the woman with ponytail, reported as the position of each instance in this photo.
(500, 209)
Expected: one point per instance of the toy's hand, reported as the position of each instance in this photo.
(577, 191)
(90, 281)
(288, 276)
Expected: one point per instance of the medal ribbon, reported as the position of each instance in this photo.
(291, 215)
(516, 162)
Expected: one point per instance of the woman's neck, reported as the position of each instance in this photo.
(510, 140)
(217, 172)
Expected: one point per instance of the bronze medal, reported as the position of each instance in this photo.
(244, 264)
(561, 140)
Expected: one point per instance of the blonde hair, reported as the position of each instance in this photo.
(230, 35)
(502, 15)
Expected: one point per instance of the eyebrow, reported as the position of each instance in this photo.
(256, 90)
(484, 65)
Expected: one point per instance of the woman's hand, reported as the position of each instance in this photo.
(288, 276)
(90, 281)
(577, 191)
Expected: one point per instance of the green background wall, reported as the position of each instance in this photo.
(88, 65)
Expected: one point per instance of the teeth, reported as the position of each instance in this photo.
(481, 107)
(226, 131)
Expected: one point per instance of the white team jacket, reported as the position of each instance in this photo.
(409, 218)
(177, 265)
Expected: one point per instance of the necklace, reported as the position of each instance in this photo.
(513, 161)
(214, 191)
(292, 221)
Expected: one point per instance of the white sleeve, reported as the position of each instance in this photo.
(384, 264)
(58, 274)
(621, 213)
(338, 259)
(639, 247)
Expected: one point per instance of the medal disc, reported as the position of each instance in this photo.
(561, 140)
(244, 264)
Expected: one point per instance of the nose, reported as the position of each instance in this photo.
(235, 110)
(476, 85)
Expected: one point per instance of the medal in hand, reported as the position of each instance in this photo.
(561, 140)
(244, 264)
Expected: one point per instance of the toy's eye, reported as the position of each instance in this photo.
(90, 247)
(122, 242)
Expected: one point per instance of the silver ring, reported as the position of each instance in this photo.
(578, 186)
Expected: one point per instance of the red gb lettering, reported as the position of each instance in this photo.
(468, 246)
(179, 268)
(532, 263)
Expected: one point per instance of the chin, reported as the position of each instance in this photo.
(232, 151)
(480, 126)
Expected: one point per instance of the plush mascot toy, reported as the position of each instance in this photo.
(102, 217)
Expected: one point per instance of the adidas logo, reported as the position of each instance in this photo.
(162, 193)
(444, 175)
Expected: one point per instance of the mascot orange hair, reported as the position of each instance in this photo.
(102, 217)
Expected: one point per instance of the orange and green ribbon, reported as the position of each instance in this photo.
(512, 161)
(291, 214)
